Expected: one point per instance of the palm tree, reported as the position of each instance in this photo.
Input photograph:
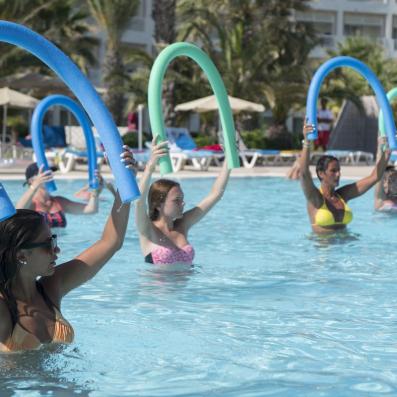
(288, 72)
(345, 83)
(179, 84)
(223, 29)
(19, 11)
(61, 21)
(261, 52)
(164, 15)
(66, 25)
(138, 79)
(178, 80)
(113, 17)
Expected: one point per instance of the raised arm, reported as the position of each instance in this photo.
(380, 195)
(312, 194)
(358, 188)
(218, 188)
(72, 274)
(142, 219)
(74, 207)
(110, 187)
(25, 202)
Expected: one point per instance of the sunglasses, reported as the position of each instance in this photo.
(49, 244)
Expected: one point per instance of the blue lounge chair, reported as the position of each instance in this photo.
(182, 149)
(54, 140)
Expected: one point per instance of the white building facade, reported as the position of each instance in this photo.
(336, 20)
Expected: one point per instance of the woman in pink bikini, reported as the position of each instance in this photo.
(163, 227)
(53, 208)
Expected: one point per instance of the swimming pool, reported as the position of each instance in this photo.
(268, 309)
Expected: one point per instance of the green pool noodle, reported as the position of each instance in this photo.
(155, 95)
(391, 95)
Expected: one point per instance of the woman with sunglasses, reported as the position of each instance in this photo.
(32, 287)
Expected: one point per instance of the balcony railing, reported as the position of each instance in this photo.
(372, 1)
(378, 40)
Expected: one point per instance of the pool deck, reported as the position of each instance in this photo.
(16, 172)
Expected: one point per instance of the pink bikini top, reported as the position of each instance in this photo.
(55, 218)
(169, 255)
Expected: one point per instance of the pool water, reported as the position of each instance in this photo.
(268, 309)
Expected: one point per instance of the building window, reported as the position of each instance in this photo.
(324, 24)
(371, 26)
(394, 31)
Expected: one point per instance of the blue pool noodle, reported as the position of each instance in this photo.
(7, 209)
(366, 72)
(83, 90)
(37, 136)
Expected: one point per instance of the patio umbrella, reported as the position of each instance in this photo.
(15, 99)
(41, 85)
(209, 103)
(36, 83)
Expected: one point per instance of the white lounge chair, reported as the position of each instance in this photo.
(353, 157)
(250, 157)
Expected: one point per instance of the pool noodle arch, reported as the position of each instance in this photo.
(154, 99)
(366, 72)
(7, 209)
(391, 95)
(37, 135)
(67, 71)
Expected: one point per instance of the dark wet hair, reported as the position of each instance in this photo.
(324, 101)
(390, 178)
(390, 168)
(157, 195)
(20, 229)
(33, 170)
(323, 162)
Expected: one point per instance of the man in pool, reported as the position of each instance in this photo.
(327, 206)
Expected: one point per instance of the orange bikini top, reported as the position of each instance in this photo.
(22, 339)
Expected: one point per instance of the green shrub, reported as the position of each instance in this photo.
(278, 139)
(297, 141)
(254, 139)
(19, 124)
(205, 140)
(131, 139)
